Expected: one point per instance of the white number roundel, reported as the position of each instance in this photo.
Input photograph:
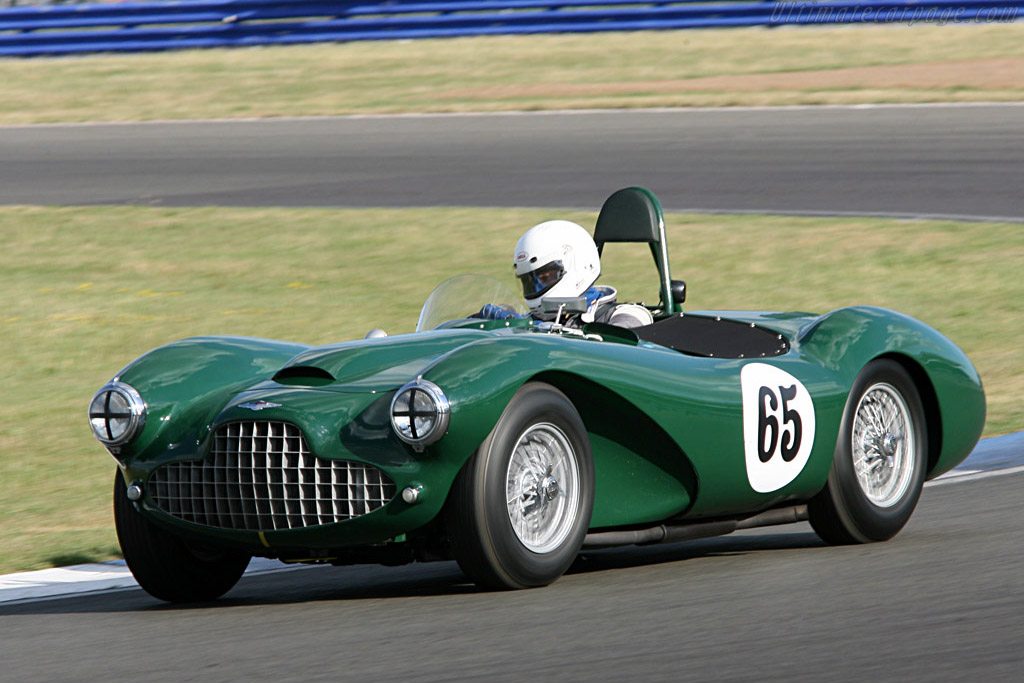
(778, 426)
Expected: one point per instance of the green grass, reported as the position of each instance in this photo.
(644, 69)
(86, 290)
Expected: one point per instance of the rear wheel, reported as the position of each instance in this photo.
(879, 465)
(167, 567)
(521, 506)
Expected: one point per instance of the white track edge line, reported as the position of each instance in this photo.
(955, 477)
(525, 112)
(107, 577)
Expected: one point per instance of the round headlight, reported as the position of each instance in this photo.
(117, 414)
(420, 412)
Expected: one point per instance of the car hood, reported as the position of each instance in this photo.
(372, 364)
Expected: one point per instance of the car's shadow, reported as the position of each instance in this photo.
(366, 582)
(640, 556)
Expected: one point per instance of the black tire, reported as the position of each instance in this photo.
(493, 553)
(166, 566)
(844, 512)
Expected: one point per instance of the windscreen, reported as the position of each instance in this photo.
(463, 295)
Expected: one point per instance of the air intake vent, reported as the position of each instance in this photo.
(303, 375)
(260, 476)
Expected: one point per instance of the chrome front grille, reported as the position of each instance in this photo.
(261, 476)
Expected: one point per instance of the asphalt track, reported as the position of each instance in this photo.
(956, 160)
(941, 602)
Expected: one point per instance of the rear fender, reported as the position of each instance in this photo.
(848, 339)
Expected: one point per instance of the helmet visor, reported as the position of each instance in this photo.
(539, 281)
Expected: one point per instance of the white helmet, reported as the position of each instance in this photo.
(555, 258)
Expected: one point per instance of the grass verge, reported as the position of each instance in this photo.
(89, 289)
(714, 67)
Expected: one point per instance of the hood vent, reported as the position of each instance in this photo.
(303, 376)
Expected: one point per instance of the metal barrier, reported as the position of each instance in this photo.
(141, 26)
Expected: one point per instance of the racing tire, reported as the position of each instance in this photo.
(521, 506)
(167, 567)
(879, 465)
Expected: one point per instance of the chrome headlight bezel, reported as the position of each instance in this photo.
(117, 428)
(417, 402)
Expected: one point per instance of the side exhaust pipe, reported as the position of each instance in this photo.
(688, 531)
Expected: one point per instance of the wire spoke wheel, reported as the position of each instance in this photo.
(883, 445)
(880, 459)
(520, 507)
(542, 488)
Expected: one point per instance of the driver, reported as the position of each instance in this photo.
(559, 259)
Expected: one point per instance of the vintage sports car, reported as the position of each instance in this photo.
(510, 445)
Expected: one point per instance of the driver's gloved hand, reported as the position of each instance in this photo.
(497, 312)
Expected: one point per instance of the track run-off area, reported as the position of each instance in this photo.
(940, 602)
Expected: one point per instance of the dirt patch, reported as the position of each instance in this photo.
(1006, 73)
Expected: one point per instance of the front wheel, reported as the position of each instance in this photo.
(166, 566)
(879, 464)
(521, 506)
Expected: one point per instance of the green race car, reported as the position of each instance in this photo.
(510, 445)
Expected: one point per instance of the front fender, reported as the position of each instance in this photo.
(186, 383)
(479, 380)
(640, 477)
